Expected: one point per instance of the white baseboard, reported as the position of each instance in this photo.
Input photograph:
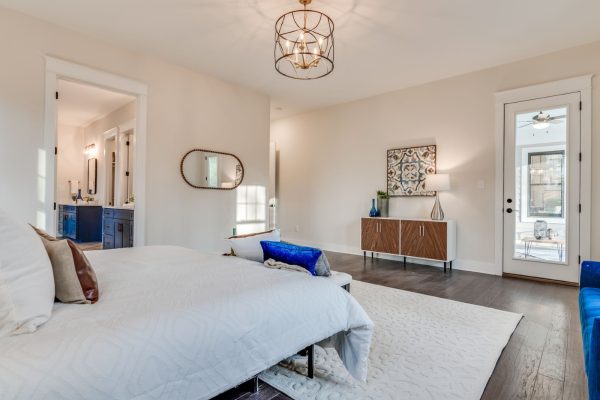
(463, 265)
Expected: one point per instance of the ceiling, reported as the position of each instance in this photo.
(381, 45)
(80, 105)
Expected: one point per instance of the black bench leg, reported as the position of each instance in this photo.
(311, 361)
(250, 386)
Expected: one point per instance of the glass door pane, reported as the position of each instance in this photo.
(541, 185)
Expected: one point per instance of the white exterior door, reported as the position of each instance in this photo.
(542, 145)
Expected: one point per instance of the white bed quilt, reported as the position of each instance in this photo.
(174, 323)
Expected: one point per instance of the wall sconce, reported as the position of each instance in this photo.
(90, 150)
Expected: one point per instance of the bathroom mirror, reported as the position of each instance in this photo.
(206, 169)
(92, 175)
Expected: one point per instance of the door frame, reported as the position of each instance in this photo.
(56, 69)
(582, 85)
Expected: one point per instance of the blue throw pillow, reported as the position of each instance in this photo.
(288, 253)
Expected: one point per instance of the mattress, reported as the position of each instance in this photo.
(174, 323)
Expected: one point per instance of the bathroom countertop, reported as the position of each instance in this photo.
(80, 205)
(120, 208)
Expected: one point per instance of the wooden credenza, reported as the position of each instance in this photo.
(410, 237)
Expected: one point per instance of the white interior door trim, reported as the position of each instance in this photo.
(61, 69)
(581, 84)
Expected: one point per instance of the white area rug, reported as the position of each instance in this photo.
(423, 347)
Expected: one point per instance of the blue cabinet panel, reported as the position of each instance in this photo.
(80, 223)
(117, 228)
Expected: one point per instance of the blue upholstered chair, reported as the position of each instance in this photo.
(589, 309)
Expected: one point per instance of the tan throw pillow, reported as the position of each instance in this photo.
(66, 284)
(64, 270)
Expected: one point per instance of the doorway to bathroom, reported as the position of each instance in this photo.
(94, 183)
(94, 163)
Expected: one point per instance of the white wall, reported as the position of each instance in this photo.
(69, 163)
(186, 109)
(332, 161)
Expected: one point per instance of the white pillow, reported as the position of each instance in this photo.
(26, 280)
(248, 246)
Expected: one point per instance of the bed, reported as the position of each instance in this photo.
(174, 323)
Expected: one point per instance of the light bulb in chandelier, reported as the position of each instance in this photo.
(304, 45)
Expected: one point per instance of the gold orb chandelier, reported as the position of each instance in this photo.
(304, 44)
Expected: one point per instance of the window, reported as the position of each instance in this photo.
(546, 184)
(212, 177)
(251, 209)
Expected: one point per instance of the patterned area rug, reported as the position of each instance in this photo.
(423, 347)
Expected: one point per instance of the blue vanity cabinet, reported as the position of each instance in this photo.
(117, 228)
(80, 223)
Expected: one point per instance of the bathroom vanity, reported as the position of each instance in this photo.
(80, 223)
(117, 228)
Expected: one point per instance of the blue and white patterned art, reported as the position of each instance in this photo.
(407, 169)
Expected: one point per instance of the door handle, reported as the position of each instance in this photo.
(423, 230)
(510, 210)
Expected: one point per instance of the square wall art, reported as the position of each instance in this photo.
(407, 169)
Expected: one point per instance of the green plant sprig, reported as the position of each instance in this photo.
(383, 195)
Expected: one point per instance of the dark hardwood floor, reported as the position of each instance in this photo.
(542, 360)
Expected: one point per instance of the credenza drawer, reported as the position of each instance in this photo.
(424, 239)
(380, 235)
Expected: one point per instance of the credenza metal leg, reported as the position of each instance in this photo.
(404, 262)
(444, 266)
(365, 255)
(450, 266)
(372, 256)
